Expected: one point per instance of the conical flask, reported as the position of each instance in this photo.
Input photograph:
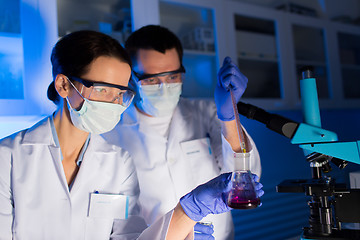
(242, 194)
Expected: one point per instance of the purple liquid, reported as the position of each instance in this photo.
(243, 204)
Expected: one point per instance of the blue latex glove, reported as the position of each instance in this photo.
(229, 76)
(258, 187)
(203, 231)
(208, 198)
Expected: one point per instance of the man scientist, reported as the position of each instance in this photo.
(178, 143)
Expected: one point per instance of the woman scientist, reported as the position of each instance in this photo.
(60, 180)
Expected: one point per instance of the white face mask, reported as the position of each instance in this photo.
(95, 117)
(158, 100)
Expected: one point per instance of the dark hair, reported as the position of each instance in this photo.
(74, 52)
(153, 37)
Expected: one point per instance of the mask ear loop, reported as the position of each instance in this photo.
(67, 99)
(76, 88)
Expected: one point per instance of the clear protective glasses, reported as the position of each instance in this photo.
(176, 76)
(106, 92)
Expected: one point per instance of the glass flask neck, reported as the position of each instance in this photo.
(241, 161)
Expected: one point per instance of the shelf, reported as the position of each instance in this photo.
(292, 40)
(346, 13)
(269, 45)
(10, 17)
(351, 83)
(305, 38)
(257, 57)
(264, 83)
(256, 46)
(298, 7)
(11, 67)
(110, 17)
(194, 26)
(311, 63)
(13, 35)
(350, 67)
(197, 52)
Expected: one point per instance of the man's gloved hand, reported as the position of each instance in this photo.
(229, 76)
(203, 231)
(208, 198)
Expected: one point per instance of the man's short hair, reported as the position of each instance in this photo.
(153, 37)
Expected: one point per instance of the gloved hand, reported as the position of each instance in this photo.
(208, 198)
(203, 231)
(229, 76)
(258, 187)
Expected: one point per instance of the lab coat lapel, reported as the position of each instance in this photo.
(178, 126)
(56, 157)
(129, 117)
(179, 167)
(95, 156)
(40, 134)
(131, 122)
(125, 134)
(126, 129)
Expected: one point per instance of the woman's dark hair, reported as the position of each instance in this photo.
(73, 53)
(153, 37)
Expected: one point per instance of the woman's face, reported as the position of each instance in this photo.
(104, 69)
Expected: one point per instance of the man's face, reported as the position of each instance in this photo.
(160, 77)
(153, 62)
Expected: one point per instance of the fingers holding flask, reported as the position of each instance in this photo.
(208, 198)
(203, 231)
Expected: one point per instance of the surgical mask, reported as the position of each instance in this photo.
(159, 100)
(95, 117)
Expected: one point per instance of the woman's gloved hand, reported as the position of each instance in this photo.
(208, 198)
(229, 76)
(203, 231)
(258, 186)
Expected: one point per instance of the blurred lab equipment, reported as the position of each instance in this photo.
(331, 203)
(199, 39)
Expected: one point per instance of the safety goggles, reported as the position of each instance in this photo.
(165, 77)
(106, 92)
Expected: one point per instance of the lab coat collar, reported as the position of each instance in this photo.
(130, 120)
(182, 109)
(97, 152)
(39, 134)
(181, 114)
(178, 125)
(99, 145)
(129, 117)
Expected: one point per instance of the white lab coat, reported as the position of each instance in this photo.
(168, 169)
(35, 202)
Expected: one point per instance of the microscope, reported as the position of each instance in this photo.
(331, 204)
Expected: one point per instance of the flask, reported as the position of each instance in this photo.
(242, 194)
